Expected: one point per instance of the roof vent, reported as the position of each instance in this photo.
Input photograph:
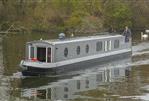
(61, 36)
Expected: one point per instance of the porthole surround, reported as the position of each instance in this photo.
(78, 50)
(66, 52)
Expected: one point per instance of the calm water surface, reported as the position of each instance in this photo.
(123, 80)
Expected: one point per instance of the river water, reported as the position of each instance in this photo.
(122, 80)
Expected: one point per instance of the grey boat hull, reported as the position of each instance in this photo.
(34, 71)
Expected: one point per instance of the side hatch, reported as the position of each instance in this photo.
(41, 54)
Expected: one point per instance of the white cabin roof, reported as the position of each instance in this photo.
(76, 39)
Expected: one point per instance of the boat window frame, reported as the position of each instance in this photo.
(47, 54)
(38, 46)
(99, 46)
(30, 47)
(44, 46)
(116, 43)
(105, 45)
(109, 43)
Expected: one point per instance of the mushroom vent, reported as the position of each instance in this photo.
(61, 36)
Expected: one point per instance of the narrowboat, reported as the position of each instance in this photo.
(44, 57)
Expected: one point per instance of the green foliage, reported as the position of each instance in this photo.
(73, 23)
(5, 26)
(117, 14)
(140, 11)
(73, 16)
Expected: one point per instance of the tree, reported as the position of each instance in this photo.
(117, 14)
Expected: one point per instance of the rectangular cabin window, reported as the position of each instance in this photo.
(105, 48)
(99, 46)
(116, 44)
(41, 54)
(31, 52)
(109, 45)
(49, 55)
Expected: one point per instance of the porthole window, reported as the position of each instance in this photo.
(66, 52)
(98, 46)
(87, 48)
(78, 50)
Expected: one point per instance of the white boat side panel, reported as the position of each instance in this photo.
(91, 57)
(72, 50)
(71, 61)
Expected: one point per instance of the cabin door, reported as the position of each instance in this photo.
(41, 54)
(44, 54)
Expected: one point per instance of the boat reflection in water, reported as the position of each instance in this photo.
(68, 88)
